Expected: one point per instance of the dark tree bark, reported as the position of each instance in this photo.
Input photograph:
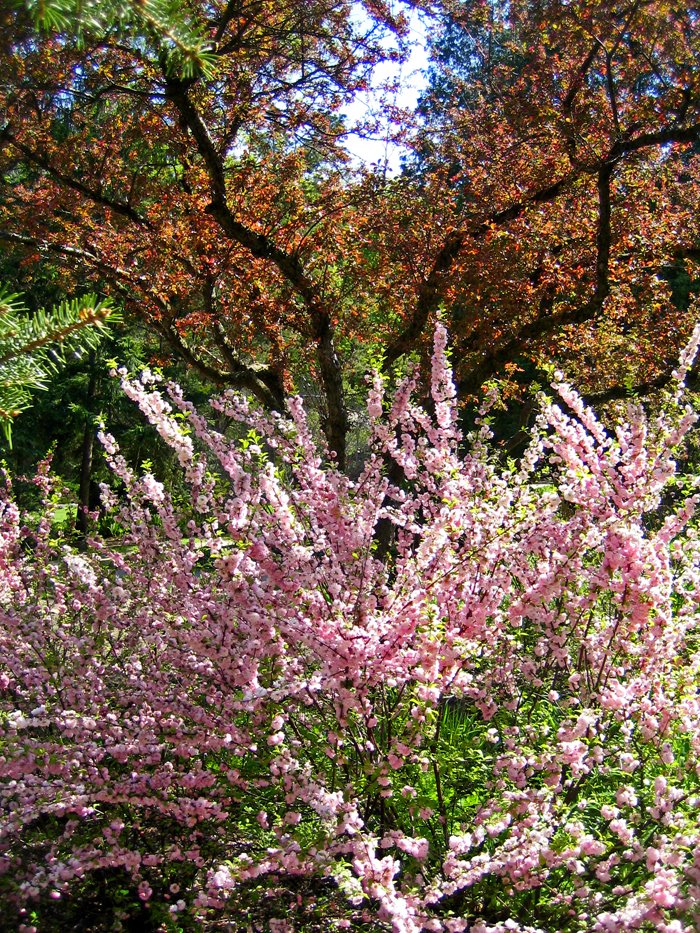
(87, 447)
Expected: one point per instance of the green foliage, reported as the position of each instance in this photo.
(32, 347)
(164, 23)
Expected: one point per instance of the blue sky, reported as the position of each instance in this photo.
(411, 80)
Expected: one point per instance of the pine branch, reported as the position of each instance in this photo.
(165, 23)
(32, 348)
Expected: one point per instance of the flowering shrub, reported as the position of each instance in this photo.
(245, 712)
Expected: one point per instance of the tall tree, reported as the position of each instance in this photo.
(206, 197)
(558, 183)
(567, 136)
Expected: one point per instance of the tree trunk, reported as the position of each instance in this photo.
(81, 520)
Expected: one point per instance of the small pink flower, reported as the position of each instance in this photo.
(144, 891)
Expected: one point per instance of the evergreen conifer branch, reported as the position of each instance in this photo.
(166, 23)
(32, 347)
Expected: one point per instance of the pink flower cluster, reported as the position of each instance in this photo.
(495, 727)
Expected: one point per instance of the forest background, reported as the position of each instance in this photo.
(189, 165)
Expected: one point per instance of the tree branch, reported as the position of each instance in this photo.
(262, 382)
(430, 290)
(612, 94)
(335, 422)
(671, 134)
(119, 207)
(546, 322)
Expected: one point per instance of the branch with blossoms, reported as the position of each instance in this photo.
(246, 707)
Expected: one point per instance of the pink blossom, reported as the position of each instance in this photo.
(220, 703)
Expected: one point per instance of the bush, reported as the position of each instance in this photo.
(254, 710)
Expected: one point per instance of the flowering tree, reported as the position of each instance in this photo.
(247, 707)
